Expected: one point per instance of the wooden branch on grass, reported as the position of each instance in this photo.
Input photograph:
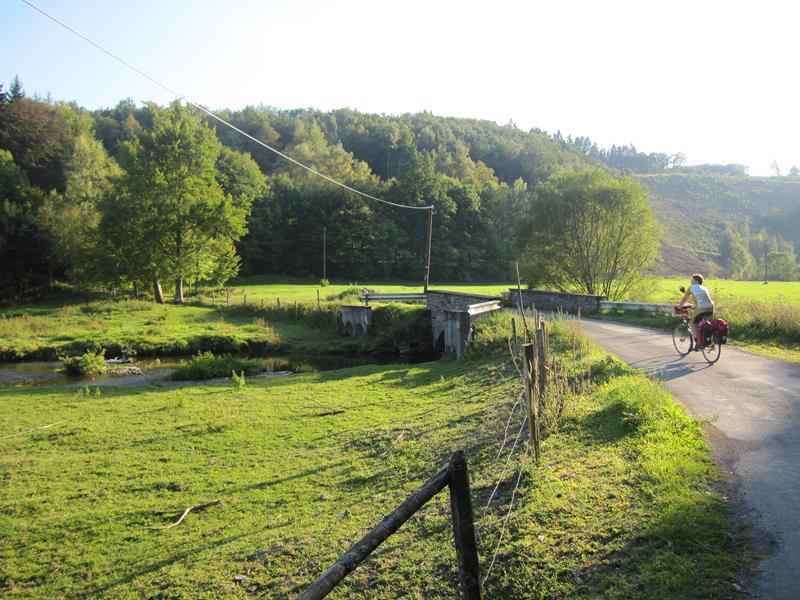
(186, 511)
(5, 437)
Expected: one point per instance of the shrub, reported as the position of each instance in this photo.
(90, 363)
(324, 283)
(207, 366)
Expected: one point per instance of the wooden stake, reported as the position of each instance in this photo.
(464, 528)
(531, 399)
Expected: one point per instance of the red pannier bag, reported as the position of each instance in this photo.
(718, 326)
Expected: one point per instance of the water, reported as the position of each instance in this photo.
(47, 373)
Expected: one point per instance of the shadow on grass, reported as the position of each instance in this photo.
(138, 571)
(685, 551)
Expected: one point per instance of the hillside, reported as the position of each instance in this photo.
(695, 209)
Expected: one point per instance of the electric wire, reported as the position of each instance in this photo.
(220, 119)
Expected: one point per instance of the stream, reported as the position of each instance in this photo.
(150, 369)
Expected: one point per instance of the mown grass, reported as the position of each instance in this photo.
(622, 505)
(722, 290)
(270, 289)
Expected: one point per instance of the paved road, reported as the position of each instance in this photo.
(754, 405)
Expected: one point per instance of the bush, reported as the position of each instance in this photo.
(90, 363)
(207, 366)
(324, 283)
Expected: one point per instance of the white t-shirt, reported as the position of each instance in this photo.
(702, 296)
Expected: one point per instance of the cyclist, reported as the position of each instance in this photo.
(703, 306)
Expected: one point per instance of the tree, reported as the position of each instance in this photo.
(176, 209)
(589, 233)
(38, 136)
(72, 218)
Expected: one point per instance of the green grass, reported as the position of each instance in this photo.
(207, 366)
(722, 290)
(269, 290)
(148, 329)
(71, 325)
(622, 505)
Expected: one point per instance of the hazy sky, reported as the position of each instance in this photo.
(715, 80)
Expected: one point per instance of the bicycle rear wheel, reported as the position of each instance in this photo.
(682, 339)
(713, 351)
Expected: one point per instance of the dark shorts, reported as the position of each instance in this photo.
(700, 314)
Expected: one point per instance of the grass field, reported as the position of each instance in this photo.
(73, 324)
(621, 507)
(722, 290)
(269, 290)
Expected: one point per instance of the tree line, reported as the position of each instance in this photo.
(142, 195)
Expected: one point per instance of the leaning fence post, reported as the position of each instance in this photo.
(531, 396)
(464, 528)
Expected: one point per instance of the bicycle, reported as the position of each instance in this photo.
(684, 341)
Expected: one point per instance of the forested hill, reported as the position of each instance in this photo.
(713, 222)
(67, 173)
(477, 174)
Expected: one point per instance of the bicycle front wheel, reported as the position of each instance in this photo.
(682, 339)
(713, 351)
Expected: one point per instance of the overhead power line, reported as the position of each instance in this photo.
(220, 119)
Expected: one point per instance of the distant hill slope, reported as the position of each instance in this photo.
(695, 208)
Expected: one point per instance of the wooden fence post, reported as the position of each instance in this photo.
(244, 298)
(514, 330)
(529, 361)
(279, 302)
(541, 362)
(318, 305)
(464, 528)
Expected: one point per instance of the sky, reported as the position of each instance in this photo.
(717, 81)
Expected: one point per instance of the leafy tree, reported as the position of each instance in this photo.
(590, 233)
(176, 207)
(24, 249)
(72, 218)
(38, 136)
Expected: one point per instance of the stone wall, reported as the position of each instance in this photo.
(457, 324)
(440, 301)
(555, 301)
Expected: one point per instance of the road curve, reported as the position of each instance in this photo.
(754, 405)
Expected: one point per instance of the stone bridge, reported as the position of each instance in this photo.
(452, 314)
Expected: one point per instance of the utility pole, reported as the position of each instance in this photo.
(428, 258)
(324, 252)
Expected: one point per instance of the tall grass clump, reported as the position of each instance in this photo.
(207, 366)
(763, 321)
(90, 363)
